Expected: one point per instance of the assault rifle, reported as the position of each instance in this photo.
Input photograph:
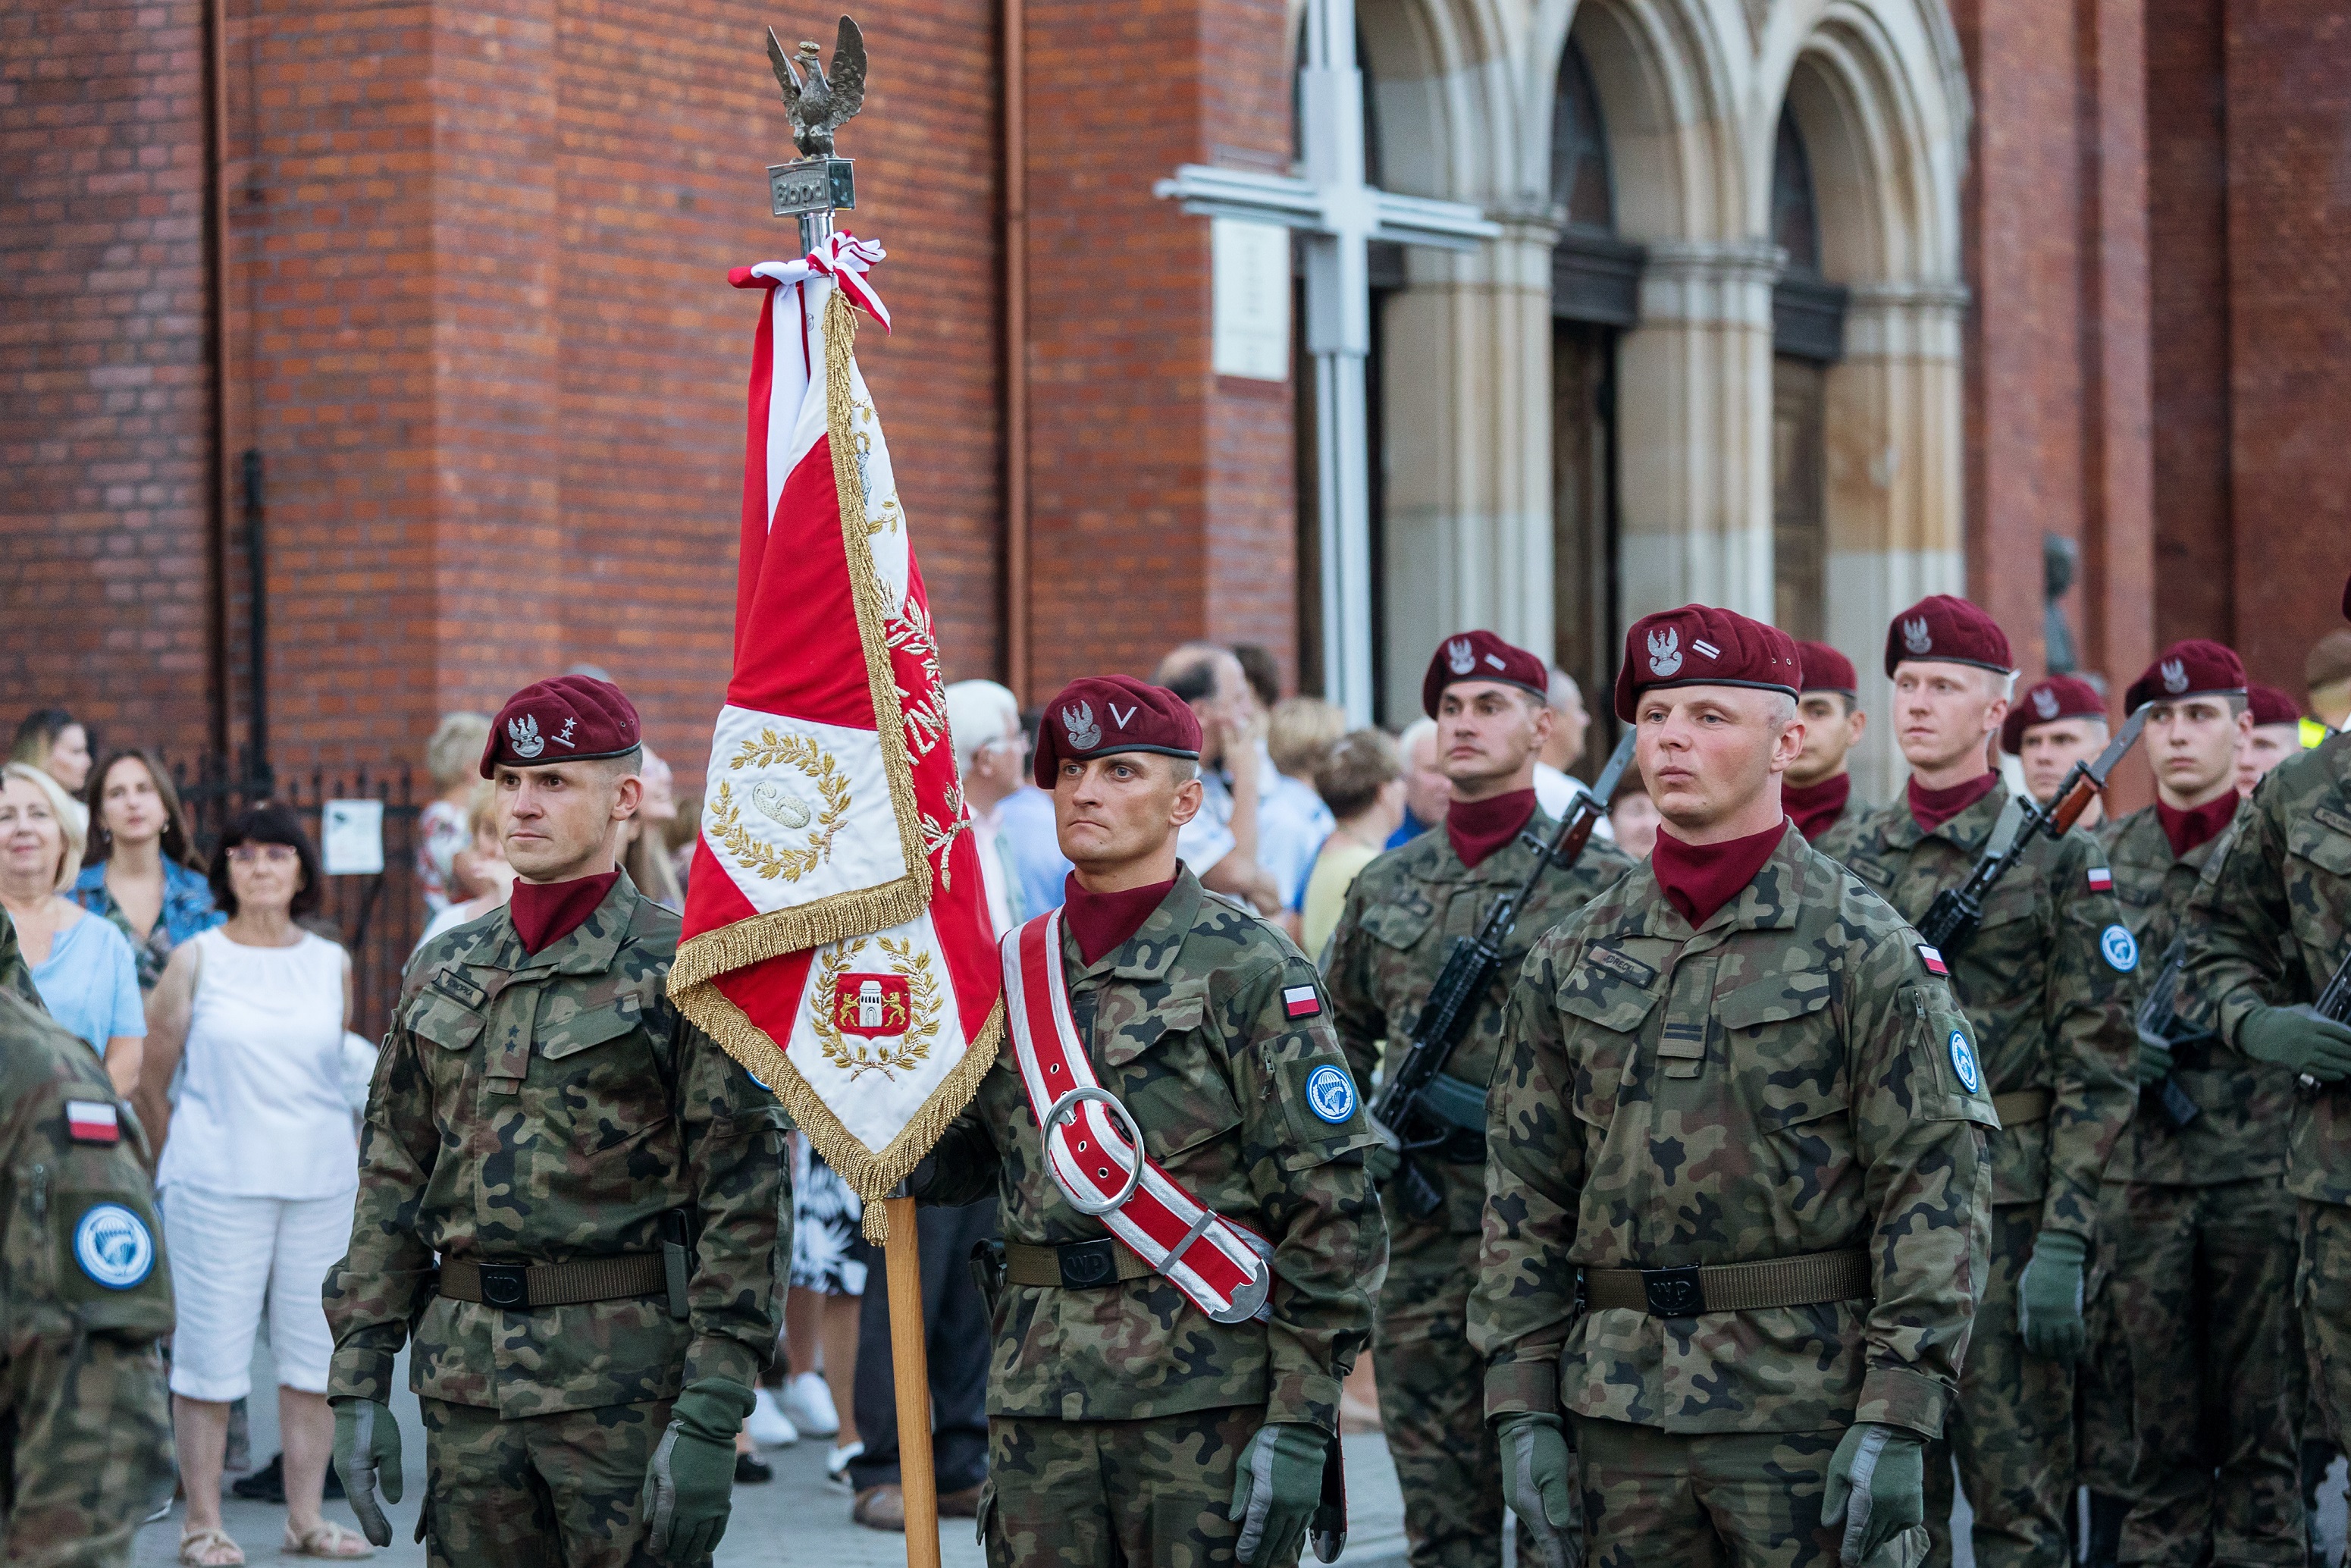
(2333, 1004)
(1419, 1108)
(1956, 913)
(2159, 1025)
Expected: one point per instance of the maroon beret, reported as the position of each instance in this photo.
(2270, 705)
(2194, 668)
(571, 718)
(1102, 716)
(1949, 630)
(1826, 670)
(1481, 657)
(2046, 701)
(1698, 645)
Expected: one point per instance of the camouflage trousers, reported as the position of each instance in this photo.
(537, 1492)
(2192, 1395)
(2322, 1288)
(85, 1450)
(1432, 1399)
(1086, 1494)
(1709, 1500)
(2012, 1427)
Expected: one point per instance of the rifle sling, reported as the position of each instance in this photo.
(1800, 1281)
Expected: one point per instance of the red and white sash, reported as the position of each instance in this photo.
(1221, 1265)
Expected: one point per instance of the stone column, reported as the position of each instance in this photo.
(1895, 460)
(1467, 421)
(1694, 426)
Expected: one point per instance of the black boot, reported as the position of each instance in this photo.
(2108, 1512)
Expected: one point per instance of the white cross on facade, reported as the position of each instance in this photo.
(1341, 214)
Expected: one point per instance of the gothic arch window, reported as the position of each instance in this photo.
(1580, 181)
(1807, 338)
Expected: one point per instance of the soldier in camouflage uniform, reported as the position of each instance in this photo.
(85, 1421)
(2193, 1382)
(1125, 1425)
(2050, 982)
(602, 1185)
(1403, 914)
(1818, 790)
(2268, 926)
(1736, 1097)
(16, 975)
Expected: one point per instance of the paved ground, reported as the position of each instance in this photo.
(800, 1519)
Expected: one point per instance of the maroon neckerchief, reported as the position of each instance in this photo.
(1478, 827)
(1699, 879)
(2198, 824)
(547, 912)
(1815, 807)
(1101, 921)
(1930, 809)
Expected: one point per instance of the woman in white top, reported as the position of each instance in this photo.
(259, 1172)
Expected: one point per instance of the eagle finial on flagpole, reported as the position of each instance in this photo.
(812, 186)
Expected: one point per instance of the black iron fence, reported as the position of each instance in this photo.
(376, 915)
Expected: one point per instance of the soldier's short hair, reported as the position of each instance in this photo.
(1358, 766)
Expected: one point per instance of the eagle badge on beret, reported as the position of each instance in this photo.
(523, 732)
(1084, 733)
(1916, 637)
(1460, 657)
(2175, 676)
(1664, 653)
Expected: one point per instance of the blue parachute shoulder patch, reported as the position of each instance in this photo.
(1963, 1062)
(113, 1247)
(1331, 1093)
(2120, 948)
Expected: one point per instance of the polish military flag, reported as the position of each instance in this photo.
(836, 939)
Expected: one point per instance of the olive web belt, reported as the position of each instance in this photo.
(517, 1285)
(1075, 1266)
(1094, 1149)
(1800, 1281)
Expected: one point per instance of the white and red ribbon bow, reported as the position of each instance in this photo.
(843, 257)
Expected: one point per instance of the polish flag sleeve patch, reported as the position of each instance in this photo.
(92, 1121)
(1934, 961)
(1301, 1001)
(2102, 879)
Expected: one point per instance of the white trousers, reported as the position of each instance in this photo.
(232, 1259)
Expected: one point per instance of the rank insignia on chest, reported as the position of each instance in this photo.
(92, 1121)
(1933, 959)
(1301, 1002)
(2102, 879)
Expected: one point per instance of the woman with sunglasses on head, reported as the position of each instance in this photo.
(140, 872)
(258, 1171)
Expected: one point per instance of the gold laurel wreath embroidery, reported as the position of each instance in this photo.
(727, 817)
(912, 1048)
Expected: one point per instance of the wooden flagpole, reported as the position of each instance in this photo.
(910, 1369)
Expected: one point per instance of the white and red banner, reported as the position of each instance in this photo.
(836, 941)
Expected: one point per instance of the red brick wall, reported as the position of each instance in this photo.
(2187, 252)
(103, 379)
(2289, 238)
(1161, 506)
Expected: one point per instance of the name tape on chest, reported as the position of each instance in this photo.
(1301, 1002)
(1621, 965)
(1094, 1146)
(2102, 879)
(93, 1122)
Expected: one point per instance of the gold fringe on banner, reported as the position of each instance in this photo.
(700, 962)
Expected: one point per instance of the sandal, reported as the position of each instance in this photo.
(327, 1539)
(209, 1549)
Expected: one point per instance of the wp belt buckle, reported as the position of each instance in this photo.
(505, 1284)
(1673, 1292)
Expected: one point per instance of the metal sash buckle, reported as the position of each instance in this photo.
(504, 1285)
(1066, 1108)
(1088, 1265)
(1673, 1292)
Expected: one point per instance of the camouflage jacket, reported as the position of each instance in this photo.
(2241, 1102)
(1186, 1024)
(81, 1252)
(16, 975)
(544, 1108)
(1401, 916)
(1806, 1086)
(2270, 922)
(2051, 981)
